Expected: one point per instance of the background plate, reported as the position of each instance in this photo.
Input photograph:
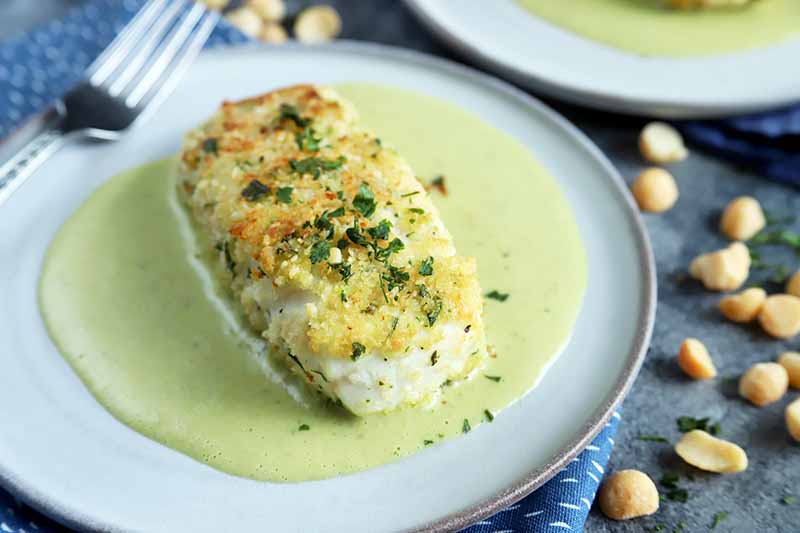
(513, 42)
(63, 453)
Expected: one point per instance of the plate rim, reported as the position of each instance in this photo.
(531, 480)
(668, 108)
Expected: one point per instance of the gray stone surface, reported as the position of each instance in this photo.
(661, 393)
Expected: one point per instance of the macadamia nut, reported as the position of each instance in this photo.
(274, 34)
(317, 24)
(793, 419)
(661, 143)
(764, 383)
(743, 307)
(628, 494)
(791, 362)
(655, 190)
(709, 453)
(693, 358)
(780, 316)
(742, 219)
(269, 10)
(246, 20)
(723, 270)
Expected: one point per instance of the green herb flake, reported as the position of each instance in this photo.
(417, 210)
(307, 140)
(465, 427)
(290, 112)
(496, 379)
(211, 146)
(678, 495)
(409, 194)
(303, 427)
(670, 480)
(718, 518)
(653, 438)
(381, 231)
(364, 201)
(320, 251)
(255, 190)
(358, 350)
(434, 358)
(788, 500)
(499, 296)
(688, 423)
(426, 267)
(315, 165)
(284, 194)
(488, 414)
(395, 277)
(427, 442)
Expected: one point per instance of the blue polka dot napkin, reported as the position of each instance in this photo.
(38, 67)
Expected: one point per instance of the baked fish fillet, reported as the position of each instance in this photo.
(334, 249)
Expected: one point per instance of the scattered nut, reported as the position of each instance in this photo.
(793, 419)
(742, 219)
(764, 383)
(780, 316)
(246, 20)
(743, 307)
(709, 453)
(628, 494)
(274, 33)
(793, 285)
(723, 270)
(269, 10)
(661, 143)
(219, 5)
(317, 24)
(655, 190)
(693, 359)
(791, 362)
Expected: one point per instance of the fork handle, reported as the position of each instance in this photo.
(24, 163)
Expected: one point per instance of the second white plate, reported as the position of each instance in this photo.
(507, 39)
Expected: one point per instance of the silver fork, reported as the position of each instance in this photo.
(124, 84)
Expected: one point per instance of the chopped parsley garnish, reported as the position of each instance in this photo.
(775, 219)
(427, 442)
(290, 112)
(783, 237)
(255, 190)
(488, 414)
(438, 184)
(496, 379)
(315, 165)
(364, 201)
(434, 357)
(358, 350)
(284, 194)
(229, 262)
(788, 500)
(499, 296)
(670, 481)
(382, 254)
(306, 139)
(417, 210)
(324, 223)
(678, 495)
(426, 267)
(354, 234)
(395, 277)
(320, 251)
(211, 146)
(303, 427)
(718, 518)
(688, 423)
(653, 438)
(381, 231)
(346, 272)
(465, 427)
(408, 194)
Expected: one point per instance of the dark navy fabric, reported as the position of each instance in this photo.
(768, 143)
(39, 66)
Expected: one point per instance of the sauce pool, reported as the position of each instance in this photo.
(129, 304)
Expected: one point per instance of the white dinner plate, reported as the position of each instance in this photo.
(63, 453)
(504, 37)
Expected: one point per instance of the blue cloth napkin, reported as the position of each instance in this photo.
(38, 67)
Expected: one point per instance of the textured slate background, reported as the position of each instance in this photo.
(661, 393)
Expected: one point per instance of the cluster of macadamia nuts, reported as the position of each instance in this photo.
(655, 189)
(262, 19)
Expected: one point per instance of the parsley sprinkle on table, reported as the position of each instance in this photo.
(303, 427)
(465, 427)
(496, 379)
(719, 517)
(653, 438)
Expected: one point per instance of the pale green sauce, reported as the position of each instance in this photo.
(647, 27)
(131, 314)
